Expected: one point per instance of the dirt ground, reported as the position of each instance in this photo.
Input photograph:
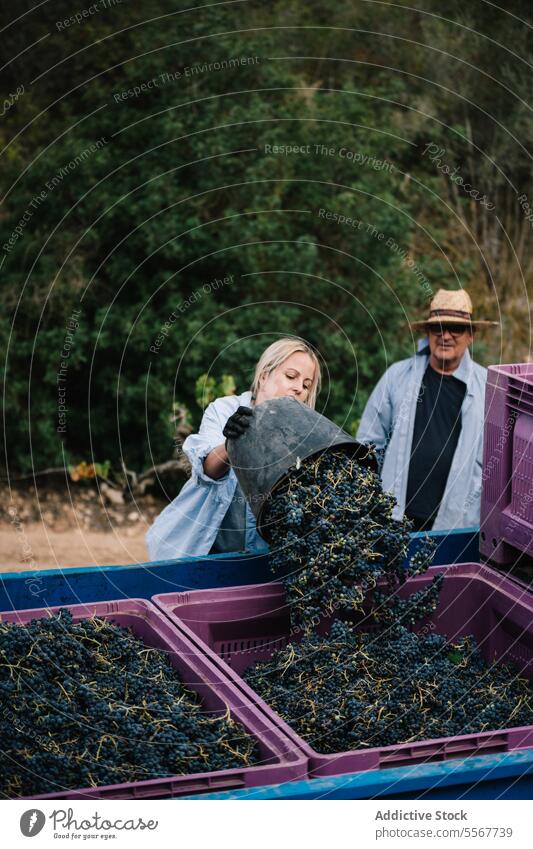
(51, 528)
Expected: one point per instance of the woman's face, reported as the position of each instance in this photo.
(293, 377)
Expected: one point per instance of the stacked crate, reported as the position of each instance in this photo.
(506, 533)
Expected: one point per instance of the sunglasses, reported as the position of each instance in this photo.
(455, 330)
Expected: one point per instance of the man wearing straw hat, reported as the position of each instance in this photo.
(425, 417)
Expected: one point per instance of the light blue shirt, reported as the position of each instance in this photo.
(388, 421)
(189, 525)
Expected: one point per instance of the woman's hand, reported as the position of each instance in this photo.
(217, 461)
(238, 423)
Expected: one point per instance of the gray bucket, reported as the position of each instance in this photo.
(282, 433)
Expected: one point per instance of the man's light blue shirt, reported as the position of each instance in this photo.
(388, 422)
(188, 526)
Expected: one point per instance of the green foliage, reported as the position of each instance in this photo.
(189, 242)
(208, 388)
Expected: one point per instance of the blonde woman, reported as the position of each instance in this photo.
(210, 515)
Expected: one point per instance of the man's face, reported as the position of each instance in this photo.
(447, 344)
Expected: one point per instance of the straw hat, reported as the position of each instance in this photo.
(451, 307)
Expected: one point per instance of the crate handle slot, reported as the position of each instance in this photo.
(208, 785)
(443, 751)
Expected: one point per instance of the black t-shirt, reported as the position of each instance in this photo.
(435, 436)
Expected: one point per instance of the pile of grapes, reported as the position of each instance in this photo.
(370, 681)
(90, 704)
(354, 690)
(333, 537)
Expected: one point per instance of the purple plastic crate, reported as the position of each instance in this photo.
(241, 625)
(507, 488)
(280, 759)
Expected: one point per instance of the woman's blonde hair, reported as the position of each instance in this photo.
(276, 354)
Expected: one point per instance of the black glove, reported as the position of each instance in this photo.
(238, 422)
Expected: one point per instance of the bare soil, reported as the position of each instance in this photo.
(53, 527)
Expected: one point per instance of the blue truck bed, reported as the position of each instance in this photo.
(44, 588)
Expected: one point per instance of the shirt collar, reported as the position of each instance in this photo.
(464, 369)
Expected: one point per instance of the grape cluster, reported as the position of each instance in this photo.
(90, 704)
(355, 690)
(371, 681)
(333, 538)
